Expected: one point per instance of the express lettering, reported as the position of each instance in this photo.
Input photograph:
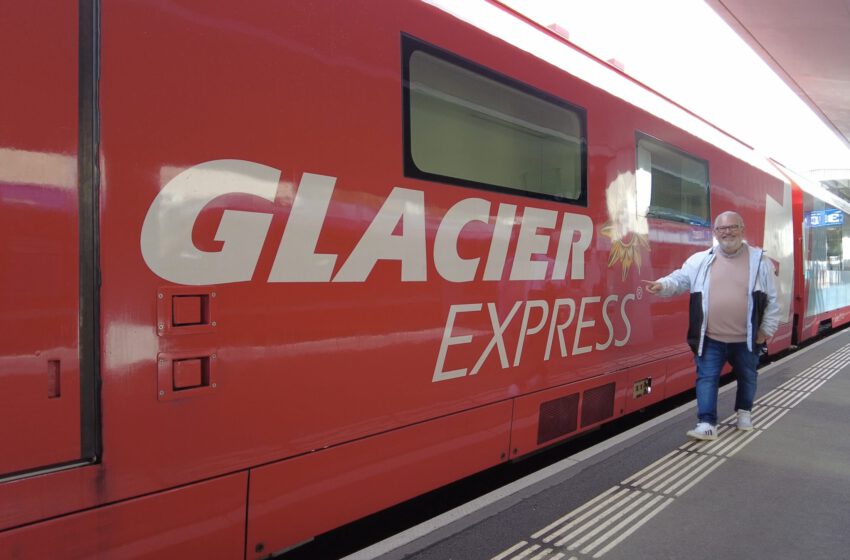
(581, 315)
(167, 247)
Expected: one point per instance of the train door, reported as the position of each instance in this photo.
(47, 375)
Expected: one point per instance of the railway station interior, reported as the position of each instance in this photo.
(391, 279)
(775, 492)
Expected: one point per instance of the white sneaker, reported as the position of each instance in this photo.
(703, 431)
(745, 420)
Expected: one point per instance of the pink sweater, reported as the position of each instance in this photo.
(727, 305)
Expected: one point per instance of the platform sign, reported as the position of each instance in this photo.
(824, 218)
(833, 217)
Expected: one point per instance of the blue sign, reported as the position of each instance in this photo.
(814, 218)
(833, 217)
(824, 218)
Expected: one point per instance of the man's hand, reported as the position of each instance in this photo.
(653, 287)
(761, 338)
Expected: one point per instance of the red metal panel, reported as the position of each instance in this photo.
(840, 316)
(204, 520)
(41, 497)
(39, 283)
(309, 364)
(681, 374)
(801, 288)
(781, 340)
(295, 499)
(307, 90)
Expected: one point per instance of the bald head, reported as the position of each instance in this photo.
(729, 231)
(728, 218)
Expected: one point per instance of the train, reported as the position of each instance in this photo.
(272, 266)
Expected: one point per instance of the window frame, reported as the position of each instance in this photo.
(410, 45)
(673, 217)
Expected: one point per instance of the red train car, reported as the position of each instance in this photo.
(822, 258)
(271, 267)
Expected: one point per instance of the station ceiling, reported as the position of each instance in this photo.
(807, 43)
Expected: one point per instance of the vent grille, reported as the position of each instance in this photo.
(557, 418)
(598, 405)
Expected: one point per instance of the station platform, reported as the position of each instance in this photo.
(780, 491)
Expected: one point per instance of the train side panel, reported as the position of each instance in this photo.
(282, 298)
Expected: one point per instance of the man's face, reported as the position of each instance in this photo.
(729, 233)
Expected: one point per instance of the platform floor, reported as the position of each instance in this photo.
(781, 491)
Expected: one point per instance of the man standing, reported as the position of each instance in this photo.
(733, 311)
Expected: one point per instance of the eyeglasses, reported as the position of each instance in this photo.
(725, 229)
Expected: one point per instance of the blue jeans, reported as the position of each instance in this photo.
(714, 355)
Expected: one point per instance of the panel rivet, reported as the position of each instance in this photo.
(162, 393)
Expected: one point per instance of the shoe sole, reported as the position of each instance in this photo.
(745, 429)
(701, 437)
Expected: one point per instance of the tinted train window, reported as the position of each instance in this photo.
(470, 126)
(672, 184)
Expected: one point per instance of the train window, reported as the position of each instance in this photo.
(470, 126)
(672, 184)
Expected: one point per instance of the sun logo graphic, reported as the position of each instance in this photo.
(627, 230)
(625, 250)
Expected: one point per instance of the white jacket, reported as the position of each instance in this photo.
(694, 276)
